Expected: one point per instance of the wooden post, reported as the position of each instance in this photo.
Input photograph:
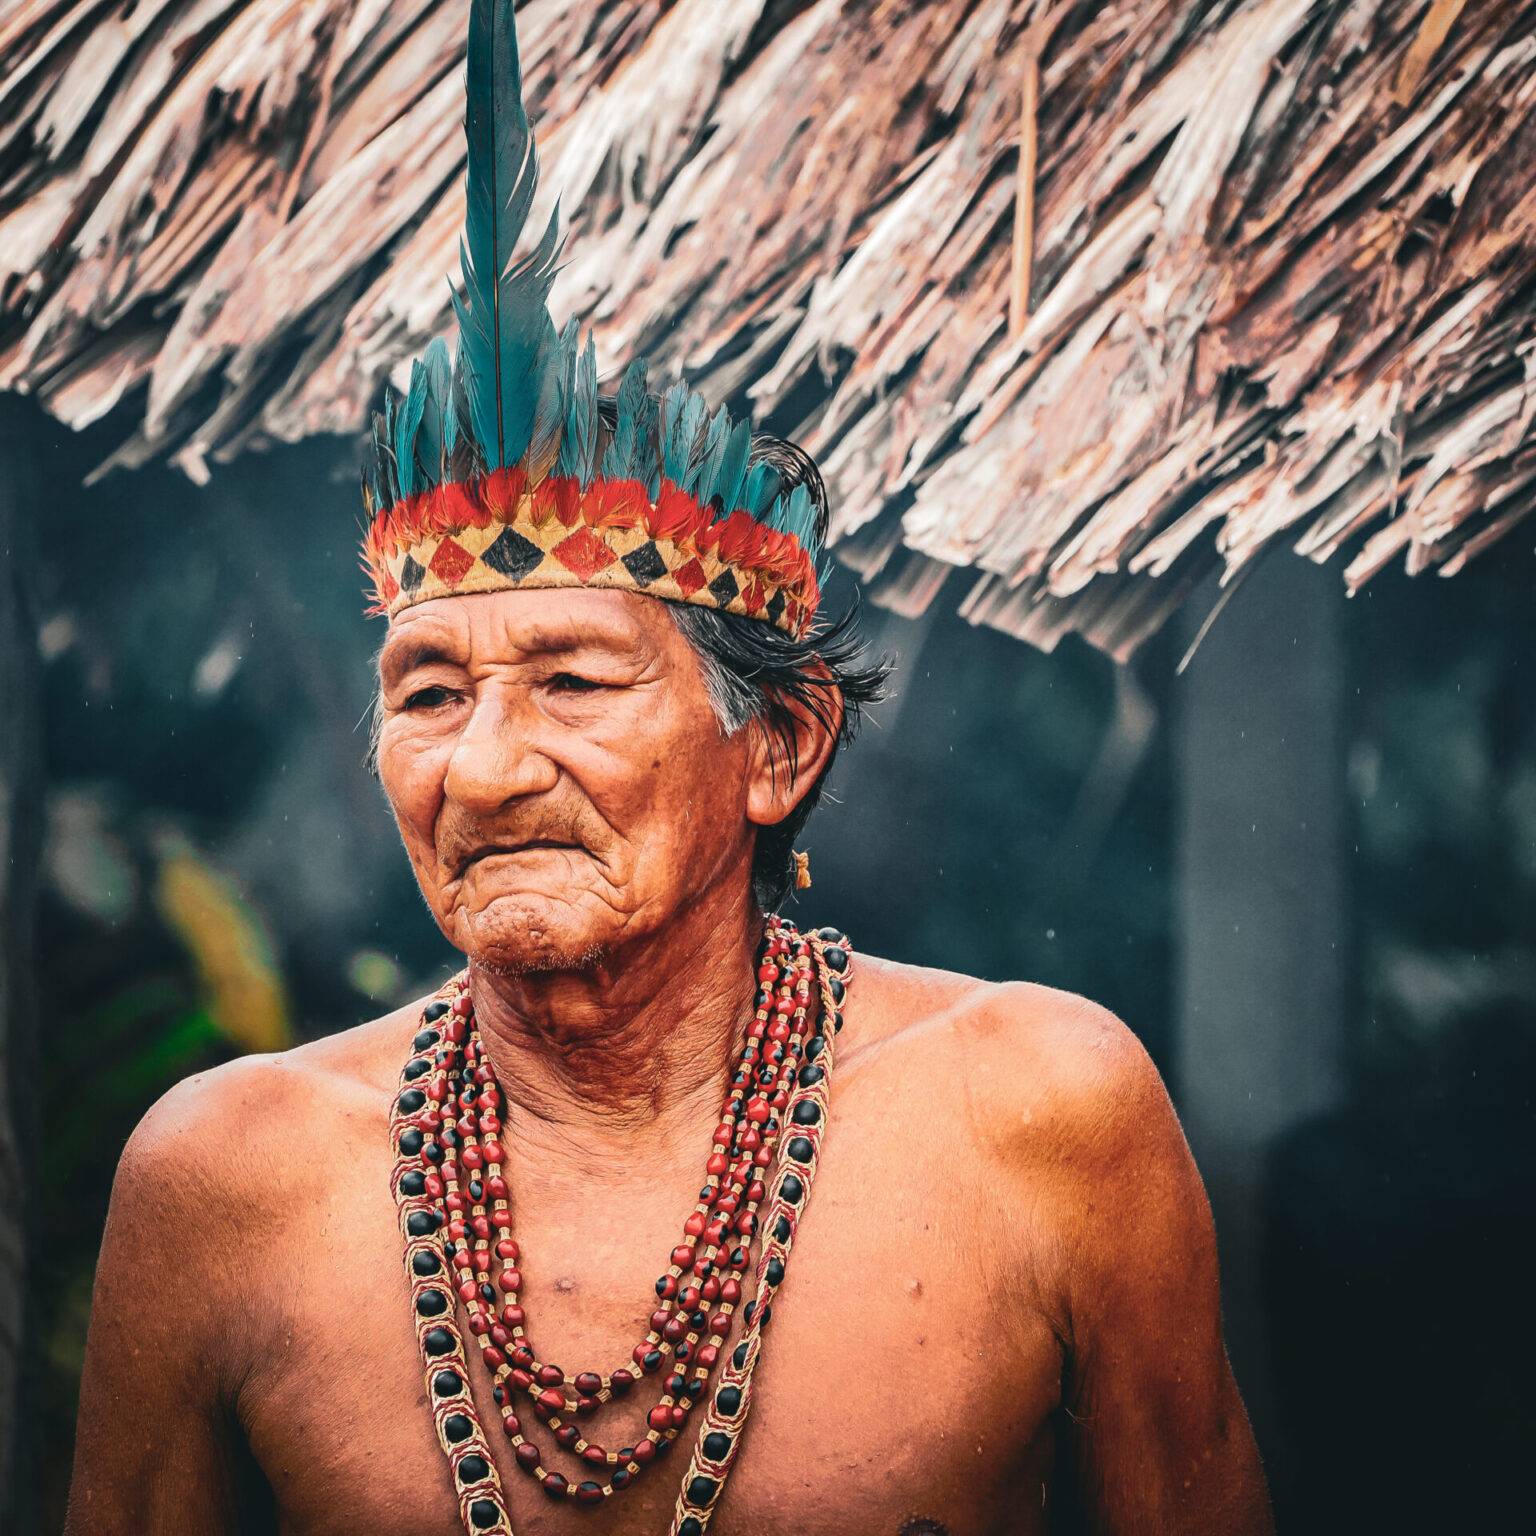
(21, 814)
(1262, 918)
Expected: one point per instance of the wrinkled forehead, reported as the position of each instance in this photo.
(491, 627)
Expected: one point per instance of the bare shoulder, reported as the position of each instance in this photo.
(231, 1129)
(1038, 1067)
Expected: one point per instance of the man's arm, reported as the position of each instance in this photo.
(1159, 1435)
(155, 1442)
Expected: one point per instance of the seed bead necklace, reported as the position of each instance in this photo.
(455, 1216)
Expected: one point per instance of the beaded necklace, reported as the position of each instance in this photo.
(456, 1220)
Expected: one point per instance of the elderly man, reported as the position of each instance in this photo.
(606, 709)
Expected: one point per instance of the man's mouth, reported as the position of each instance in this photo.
(496, 850)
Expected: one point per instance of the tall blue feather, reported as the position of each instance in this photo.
(507, 337)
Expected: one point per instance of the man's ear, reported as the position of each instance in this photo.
(789, 755)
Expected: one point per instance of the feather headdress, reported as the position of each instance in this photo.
(503, 468)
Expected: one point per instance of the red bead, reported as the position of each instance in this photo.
(589, 1383)
(492, 1356)
(551, 1400)
(510, 1280)
(500, 1336)
(682, 1256)
(472, 1157)
(496, 1187)
(551, 1376)
(501, 1220)
(586, 1405)
(659, 1417)
(707, 1356)
(554, 1483)
(512, 1424)
(719, 1323)
(462, 1005)
(695, 1224)
(468, 1290)
(528, 1454)
(588, 1493)
(659, 1319)
(594, 1454)
(521, 1378)
(717, 1163)
(645, 1452)
(679, 1414)
(567, 1436)
(434, 1186)
(730, 1291)
(710, 1290)
(757, 1111)
(493, 1152)
(480, 1227)
(479, 1324)
(675, 1329)
(513, 1317)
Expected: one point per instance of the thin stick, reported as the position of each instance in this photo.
(1024, 203)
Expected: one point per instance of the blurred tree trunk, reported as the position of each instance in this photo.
(21, 800)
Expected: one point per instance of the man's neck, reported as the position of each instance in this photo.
(632, 1046)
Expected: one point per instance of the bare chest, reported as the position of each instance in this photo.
(896, 1385)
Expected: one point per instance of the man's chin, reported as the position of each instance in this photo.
(513, 937)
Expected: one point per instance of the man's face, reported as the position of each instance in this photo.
(558, 775)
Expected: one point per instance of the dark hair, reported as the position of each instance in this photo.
(759, 675)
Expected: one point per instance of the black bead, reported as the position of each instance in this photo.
(457, 1428)
(738, 1258)
(434, 1011)
(421, 1223)
(837, 1023)
(767, 1316)
(829, 936)
(676, 1382)
(683, 1351)
(437, 1341)
(810, 1076)
(433, 1154)
(774, 1272)
(431, 1304)
(448, 1136)
(477, 1189)
(716, 1445)
(814, 1047)
(782, 1229)
(690, 1527)
(472, 1469)
(791, 1188)
(487, 1291)
(692, 1387)
(661, 1284)
(483, 1514)
(701, 1490)
(739, 1357)
(620, 1477)
(698, 1319)
(447, 1383)
(728, 1400)
(749, 1311)
(807, 1112)
(414, 1182)
(425, 1262)
(425, 1040)
(411, 1100)
(554, 1485)
(800, 1149)
(836, 988)
(837, 959)
(651, 1361)
(499, 1396)
(411, 1142)
(414, 1069)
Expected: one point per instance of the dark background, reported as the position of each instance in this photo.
(1302, 870)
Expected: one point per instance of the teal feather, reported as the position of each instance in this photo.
(733, 468)
(407, 424)
(701, 478)
(436, 413)
(619, 456)
(506, 335)
(762, 485)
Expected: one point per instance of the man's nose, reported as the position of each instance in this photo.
(497, 756)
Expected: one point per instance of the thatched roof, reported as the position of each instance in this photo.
(1085, 299)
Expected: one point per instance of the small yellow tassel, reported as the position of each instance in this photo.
(802, 871)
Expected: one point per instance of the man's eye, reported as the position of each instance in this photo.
(427, 698)
(569, 682)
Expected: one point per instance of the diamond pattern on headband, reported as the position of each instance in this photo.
(645, 564)
(451, 563)
(725, 588)
(410, 575)
(583, 553)
(690, 578)
(513, 555)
